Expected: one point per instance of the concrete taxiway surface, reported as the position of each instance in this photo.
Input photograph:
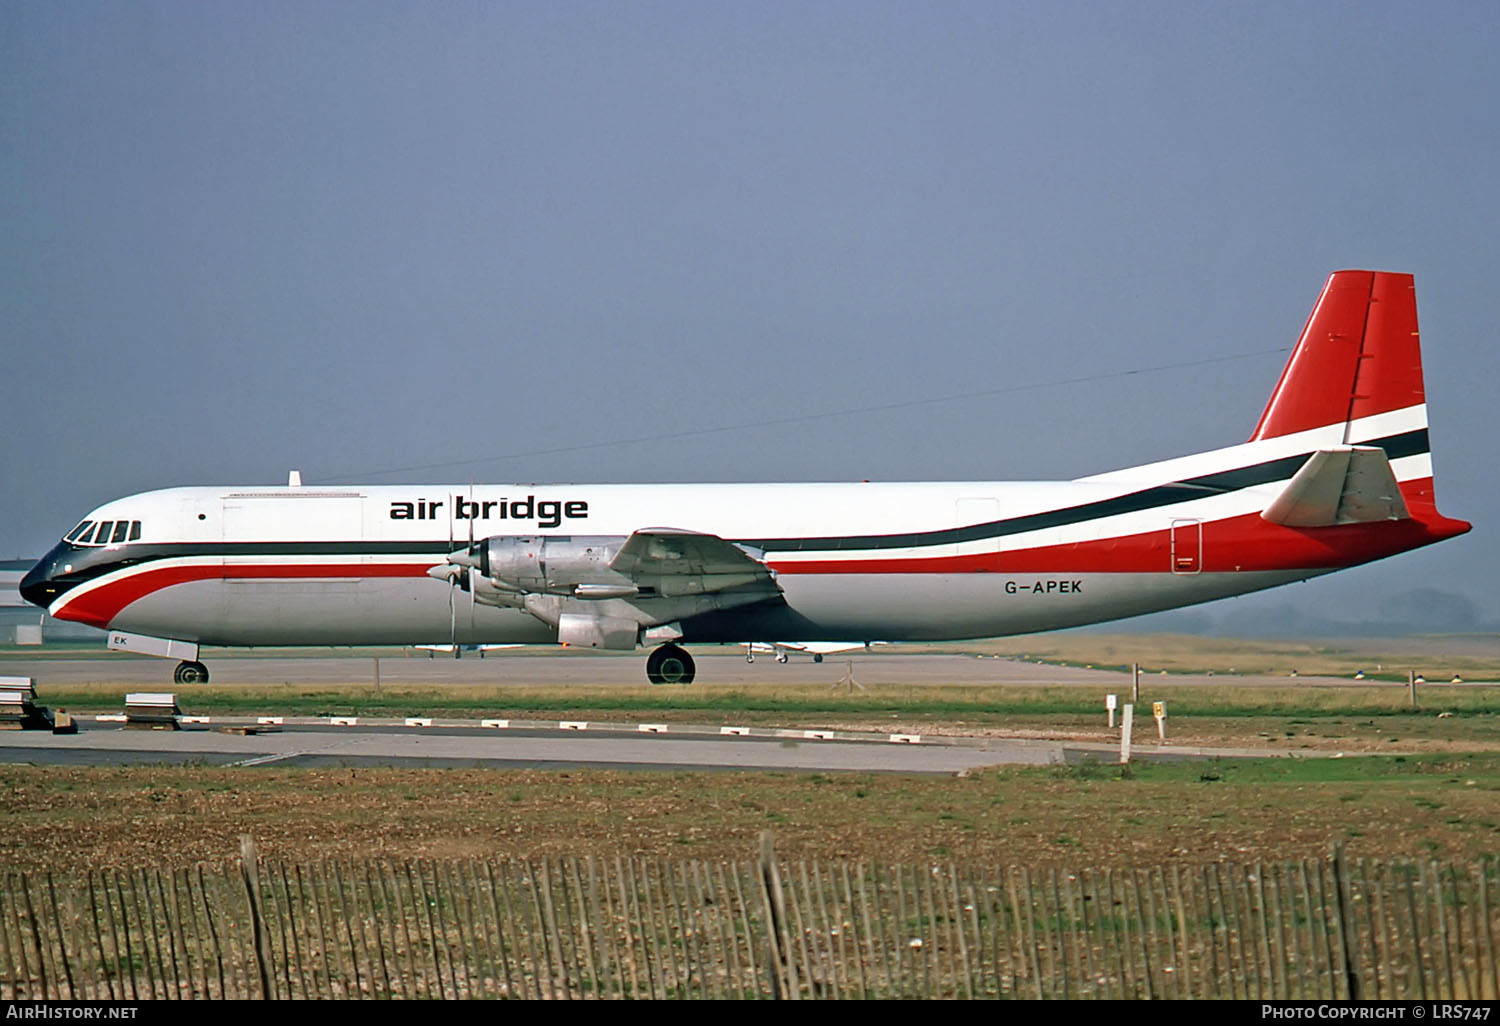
(599, 745)
(502, 668)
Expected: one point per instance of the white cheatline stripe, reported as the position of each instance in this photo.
(1382, 425)
(1412, 468)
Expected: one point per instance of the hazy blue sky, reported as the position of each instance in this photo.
(356, 237)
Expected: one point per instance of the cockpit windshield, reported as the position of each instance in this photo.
(104, 532)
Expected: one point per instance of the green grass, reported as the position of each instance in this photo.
(1356, 718)
(1294, 706)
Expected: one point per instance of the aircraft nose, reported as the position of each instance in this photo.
(37, 587)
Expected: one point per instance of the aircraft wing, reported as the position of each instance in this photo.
(833, 647)
(673, 552)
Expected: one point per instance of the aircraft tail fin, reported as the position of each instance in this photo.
(1358, 356)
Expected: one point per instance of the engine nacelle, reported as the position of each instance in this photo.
(555, 564)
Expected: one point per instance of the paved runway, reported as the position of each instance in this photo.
(615, 746)
(714, 667)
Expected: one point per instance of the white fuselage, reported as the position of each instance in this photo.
(858, 562)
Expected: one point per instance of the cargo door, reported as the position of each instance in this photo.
(1187, 546)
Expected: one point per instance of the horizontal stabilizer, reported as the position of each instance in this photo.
(1344, 485)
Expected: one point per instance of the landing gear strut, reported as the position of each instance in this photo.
(190, 673)
(670, 665)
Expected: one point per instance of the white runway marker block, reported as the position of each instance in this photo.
(573, 725)
(343, 721)
(495, 724)
(739, 731)
(652, 728)
(419, 721)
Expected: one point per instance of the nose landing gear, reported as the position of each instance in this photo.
(670, 664)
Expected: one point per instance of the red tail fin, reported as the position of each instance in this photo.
(1359, 355)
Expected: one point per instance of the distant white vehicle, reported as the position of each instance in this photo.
(1337, 472)
(817, 649)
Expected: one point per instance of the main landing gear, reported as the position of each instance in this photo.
(670, 665)
(188, 672)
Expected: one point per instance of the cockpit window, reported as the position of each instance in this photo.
(108, 532)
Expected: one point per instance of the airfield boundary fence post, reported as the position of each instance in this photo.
(248, 872)
(779, 962)
(1345, 925)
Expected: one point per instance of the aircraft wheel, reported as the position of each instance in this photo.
(190, 673)
(670, 665)
(781, 657)
(749, 657)
(817, 657)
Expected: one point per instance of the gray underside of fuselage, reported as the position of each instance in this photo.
(817, 607)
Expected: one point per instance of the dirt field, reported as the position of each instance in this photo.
(1440, 806)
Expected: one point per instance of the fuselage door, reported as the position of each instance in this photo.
(1187, 546)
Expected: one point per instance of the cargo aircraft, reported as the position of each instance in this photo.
(1337, 472)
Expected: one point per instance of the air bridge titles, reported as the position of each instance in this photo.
(546, 512)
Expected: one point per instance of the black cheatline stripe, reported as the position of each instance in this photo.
(1410, 443)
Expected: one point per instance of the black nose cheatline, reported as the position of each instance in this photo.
(52, 576)
(37, 587)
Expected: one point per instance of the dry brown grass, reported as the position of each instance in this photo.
(77, 817)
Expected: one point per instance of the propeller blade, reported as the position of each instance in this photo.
(452, 623)
(468, 581)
